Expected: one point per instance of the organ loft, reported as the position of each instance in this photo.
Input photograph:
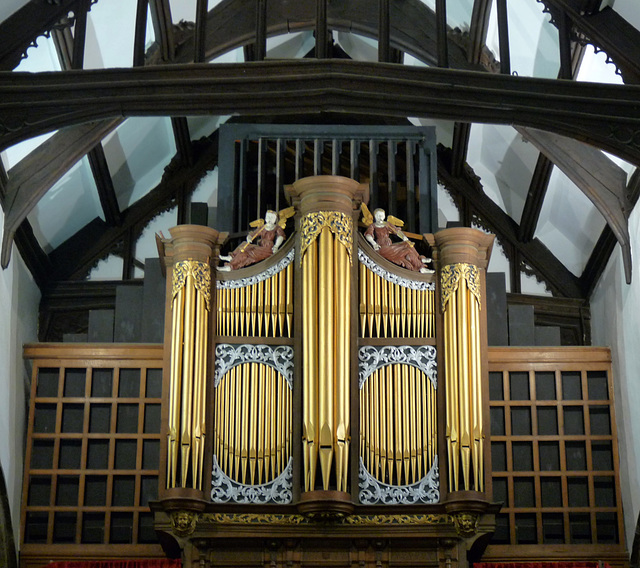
(327, 389)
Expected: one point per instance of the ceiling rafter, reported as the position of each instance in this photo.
(33, 20)
(104, 185)
(478, 37)
(33, 176)
(607, 31)
(534, 253)
(34, 104)
(74, 258)
(597, 176)
(163, 28)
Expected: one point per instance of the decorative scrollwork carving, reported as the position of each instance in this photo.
(372, 358)
(340, 224)
(183, 522)
(201, 273)
(374, 492)
(224, 489)
(228, 356)
(450, 277)
(264, 275)
(284, 519)
(364, 258)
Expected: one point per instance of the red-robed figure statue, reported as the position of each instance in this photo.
(402, 253)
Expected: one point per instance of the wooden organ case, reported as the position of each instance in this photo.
(326, 406)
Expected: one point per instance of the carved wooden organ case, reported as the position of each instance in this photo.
(325, 400)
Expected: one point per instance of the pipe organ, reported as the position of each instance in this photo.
(326, 381)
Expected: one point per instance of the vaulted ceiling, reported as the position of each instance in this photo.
(111, 118)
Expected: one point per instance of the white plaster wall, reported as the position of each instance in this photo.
(19, 299)
(615, 322)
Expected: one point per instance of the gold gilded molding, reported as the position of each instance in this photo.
(466, 523)
(183, 522)
(340, 224)
(201, 273)
(450, 276)
(293, 519)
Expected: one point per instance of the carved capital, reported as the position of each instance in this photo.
(183, 522)
(466, 523)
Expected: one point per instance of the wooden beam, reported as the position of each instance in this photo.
(34, 257)
(478, 29)
(441, 27)
(74, 258)
(535, 198)
(34, 103)
(261, 30)
(384, 26)
(182, 137)
(80, 35)
(140, 34)
(503, 34)
(460, 146)
(322, 30)
(34, 19)
(534, 253)
(609, 32)
(597, 176)
(104, 184)
(33, 176)
(200, 32)
(163, 28)
(412, 26)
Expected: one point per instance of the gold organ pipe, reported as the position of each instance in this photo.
(260, 421)
(421, 430)
(267, 305)
(430, 436)
(310, 370)
(245, 418)
(388, 402)
(270, 429)
(187, 375)
(253, 421)
(198, 426)
(342, 297)
(282, 298)
(392, 308)
(289, 298)
(237, 404)
(397, 293)
(218, 423)
(370, 302)
(326, 350)
(414, 411)
(384, 292)
(274, 303)
(176, 385)
(260, 307)
(380, 425)
(402, 408)
(463, 376)
(476, 394)
(230, 447)
(363, 295)
(396, 409)
(377, 307)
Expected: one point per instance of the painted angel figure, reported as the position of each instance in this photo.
(265, 240)
(378, 233)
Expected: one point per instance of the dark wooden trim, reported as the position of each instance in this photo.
(34, 257)
(535, 198)
(182, 137)
(564, 39)
(163, 27)
(322, 30)
(441, 35)
(200, 32)
(41, 102)
(80, 35)
(261, 30)
(21, 29)
(535, 254)
(459, 147)
(104, 184)
(503, 33)
(140, 35)
(608, 31)
(478, 29)
(384, 26)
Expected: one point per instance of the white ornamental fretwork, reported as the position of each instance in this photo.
(372, 358)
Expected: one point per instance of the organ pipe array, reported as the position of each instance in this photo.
(327, 205)
(462, 255)
(188, 256)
